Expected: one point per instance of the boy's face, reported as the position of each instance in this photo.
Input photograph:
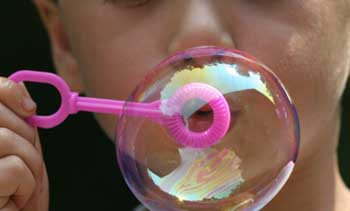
(109, 45)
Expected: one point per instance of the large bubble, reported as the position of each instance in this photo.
(243, 169)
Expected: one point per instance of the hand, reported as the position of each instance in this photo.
(23, 177)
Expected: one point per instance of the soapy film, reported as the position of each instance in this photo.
(237, 173)
(209, 173)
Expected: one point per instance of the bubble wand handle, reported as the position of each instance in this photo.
(149, 110)
(72, 103)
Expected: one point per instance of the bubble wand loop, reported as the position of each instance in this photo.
(72, 103)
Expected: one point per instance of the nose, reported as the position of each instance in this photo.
(199, 24)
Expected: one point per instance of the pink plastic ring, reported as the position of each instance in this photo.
(66, 96)
(221, 120)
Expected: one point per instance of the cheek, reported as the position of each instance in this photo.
(314, 68)
(113, 73)
(315, 79)
(110, 51)
(114, 61)
(315, 71)
(108, 124)
(312, 62)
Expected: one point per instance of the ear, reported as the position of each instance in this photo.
(64, 60)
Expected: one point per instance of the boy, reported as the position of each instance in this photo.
(95, 44)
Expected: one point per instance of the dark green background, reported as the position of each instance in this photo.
(83, 172)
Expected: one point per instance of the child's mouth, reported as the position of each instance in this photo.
(202, 119)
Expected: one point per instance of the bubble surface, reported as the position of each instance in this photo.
(244, 169)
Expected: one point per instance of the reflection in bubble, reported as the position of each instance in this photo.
(244, 169)
(224, 77)
(203, 174)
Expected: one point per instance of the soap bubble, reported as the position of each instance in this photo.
(244, 169)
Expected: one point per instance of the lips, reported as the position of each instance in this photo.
(203, 118)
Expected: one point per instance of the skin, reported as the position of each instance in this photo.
(306, 43)
(23, 177)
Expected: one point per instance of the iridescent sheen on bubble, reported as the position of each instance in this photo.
(203, 174)
(225, 77)
(244, 170)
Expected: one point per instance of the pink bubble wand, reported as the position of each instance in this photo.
(71, 103)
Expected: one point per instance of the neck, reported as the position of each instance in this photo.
(316, 183)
